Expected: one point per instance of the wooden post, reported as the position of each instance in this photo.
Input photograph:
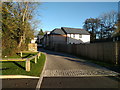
(38, 56)
(116, 52)
(35, 59)
(21, 54)
(27, 65)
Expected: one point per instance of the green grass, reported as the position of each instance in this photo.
(18, 68)
(25, 55)
(104, 64)
(107, 65)
(14, 56)
(110, 66)
(101, 63)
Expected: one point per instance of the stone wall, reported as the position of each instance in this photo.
(32, 47)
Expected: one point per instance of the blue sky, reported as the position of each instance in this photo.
(70, 14)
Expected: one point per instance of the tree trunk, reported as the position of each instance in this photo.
(23, 23)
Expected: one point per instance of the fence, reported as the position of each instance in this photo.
(27, 60)
(106, 52)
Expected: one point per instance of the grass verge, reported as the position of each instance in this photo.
(25, 55)
(110, 66)
(107, 65)
(18, 68)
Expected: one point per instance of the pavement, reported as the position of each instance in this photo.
(67, 71)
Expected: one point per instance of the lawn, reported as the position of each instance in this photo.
(25, 55)
(110, 66)
(18, 68)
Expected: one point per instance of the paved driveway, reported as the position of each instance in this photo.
(67, 71)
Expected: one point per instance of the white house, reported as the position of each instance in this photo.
(34, 40)
(76, 36)
(67, 35)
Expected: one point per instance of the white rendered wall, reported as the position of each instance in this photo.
(33, 40)
(86, 38)
(76, 39)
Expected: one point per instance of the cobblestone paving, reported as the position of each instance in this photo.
(78, 73)
(64, 65)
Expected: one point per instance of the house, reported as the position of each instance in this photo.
(65, 35)
(34, 40)
(76, 35)
(116, 36)
(45, 40)
(57, 36)
(39, 38)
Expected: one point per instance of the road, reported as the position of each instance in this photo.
(20, 83)
(67, 71)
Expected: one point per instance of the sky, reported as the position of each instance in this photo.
(70, 14)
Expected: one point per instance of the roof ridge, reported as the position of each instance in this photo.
(73, 28)
(57, 28)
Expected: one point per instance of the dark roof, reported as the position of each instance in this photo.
(74, 31)
(40, 36)
(116, 34)
(57, 31)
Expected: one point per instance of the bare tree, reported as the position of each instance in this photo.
(16, 25)
(108, 23)
(25, 10)
(92, 26)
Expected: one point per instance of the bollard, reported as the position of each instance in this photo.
(21, 54)
(27, 65)
(38, 56)
(35, 59)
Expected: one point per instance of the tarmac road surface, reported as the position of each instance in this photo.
(67, 71)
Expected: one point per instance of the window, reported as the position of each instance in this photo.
(73, 35)
(80, 36)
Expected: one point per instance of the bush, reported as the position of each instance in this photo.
(9, 47)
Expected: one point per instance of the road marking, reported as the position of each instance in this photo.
(16, 76)
(41, 76)
(73, 73)
(82, 76)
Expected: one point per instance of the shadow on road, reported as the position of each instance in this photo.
(56, 53)
(70, 58)
(79, 82)
(78, 60)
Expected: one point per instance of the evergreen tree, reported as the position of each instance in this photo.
(16, 26)
(41, 32)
